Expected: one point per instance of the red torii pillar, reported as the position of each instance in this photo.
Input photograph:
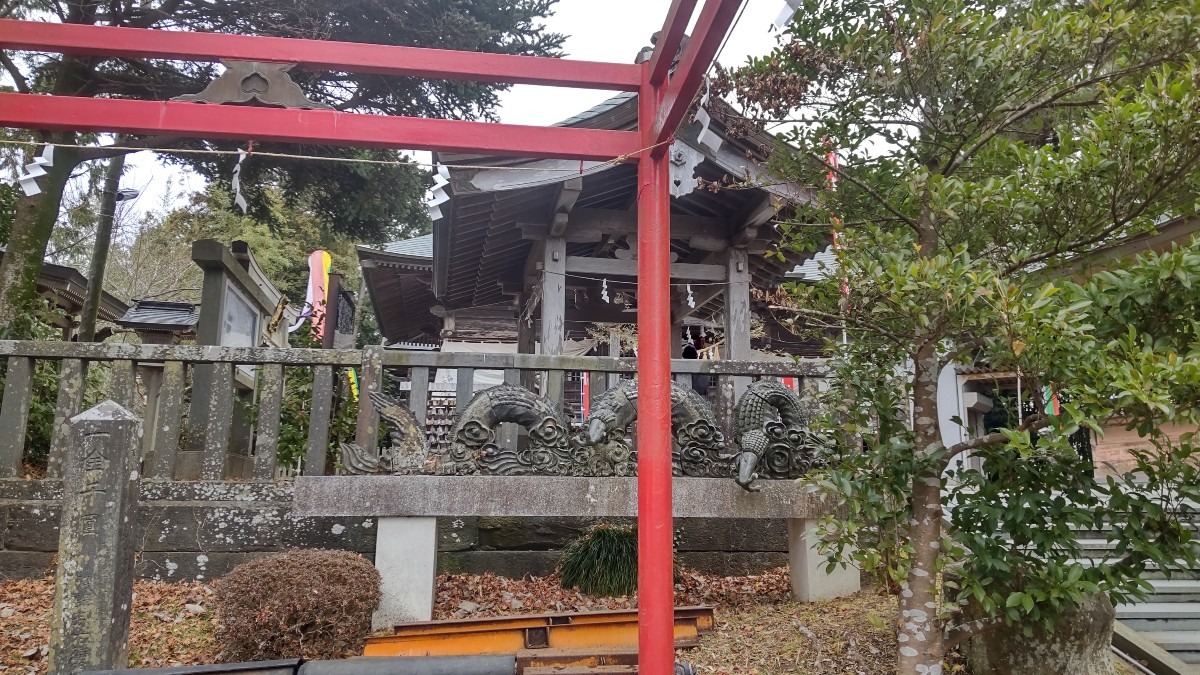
(663, 104)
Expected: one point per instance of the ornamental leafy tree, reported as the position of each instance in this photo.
(986, 151)
(367, 201)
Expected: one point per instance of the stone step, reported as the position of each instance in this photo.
(1176, 640)
(1184, 644)
(1175, 590)
(1161, 616)
(1152, 573)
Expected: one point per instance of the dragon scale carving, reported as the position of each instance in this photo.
(770, 428)
(408, 451)
(473, 440)
(699, 445)
(770, 423)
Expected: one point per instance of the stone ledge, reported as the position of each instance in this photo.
(50, 489)
(384, 496)
(25, 564)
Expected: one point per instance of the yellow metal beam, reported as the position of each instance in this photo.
(509, 635)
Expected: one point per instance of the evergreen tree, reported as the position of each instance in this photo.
(368, 201)
(986, 149)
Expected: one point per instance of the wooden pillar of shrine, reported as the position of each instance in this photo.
(554, 310)
(737, 329)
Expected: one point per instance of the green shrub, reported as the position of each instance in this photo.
(310, 604)
(602, 561)
(297, 403)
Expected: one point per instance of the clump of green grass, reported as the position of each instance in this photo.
(602, 562)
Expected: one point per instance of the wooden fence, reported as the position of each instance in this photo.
(207, 378)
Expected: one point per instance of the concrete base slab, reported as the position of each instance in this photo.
(806, 566)
(406, 557)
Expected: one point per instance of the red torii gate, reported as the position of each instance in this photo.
(663, 103)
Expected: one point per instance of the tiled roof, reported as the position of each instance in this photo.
(158, 315)
(816, 267)
(598, 109)
(417, 247)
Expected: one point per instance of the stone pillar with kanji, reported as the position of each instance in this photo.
(93, 585)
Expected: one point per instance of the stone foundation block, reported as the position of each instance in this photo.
(406, 557)
(810, 581)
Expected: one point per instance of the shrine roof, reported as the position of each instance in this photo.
(69, 288)
(158, 315)
(483, 241)
(417, 247)
(398, 277)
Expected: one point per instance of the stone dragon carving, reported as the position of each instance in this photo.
(699, 445)
(473, 439)
(408, 451)
(770, 424)
(770, 427)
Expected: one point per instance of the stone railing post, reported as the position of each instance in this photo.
(93, 586)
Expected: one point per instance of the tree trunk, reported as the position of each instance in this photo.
(920, 636)
(26, 247)
(1080, 644)
(108, 212)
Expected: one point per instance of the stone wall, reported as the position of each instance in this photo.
(200, 530)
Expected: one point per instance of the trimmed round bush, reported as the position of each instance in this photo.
(311, 604)
(602, 561)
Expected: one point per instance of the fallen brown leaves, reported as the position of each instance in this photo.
(846, 636)
(25, 624)
(759, 630)
(482, 595)
(170, 625)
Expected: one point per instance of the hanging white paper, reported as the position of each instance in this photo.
(34, 170)
(691, 299)
(707, 137)
(786, 14)
(604, 289)
(438, 194)
(237, 182)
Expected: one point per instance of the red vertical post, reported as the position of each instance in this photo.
(656, 584)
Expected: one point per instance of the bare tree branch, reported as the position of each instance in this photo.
(1034, 423)
(836, 321)
(153, 15)
(15, 73)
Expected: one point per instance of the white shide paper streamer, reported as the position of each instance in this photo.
(36, 169)
(707, 137)
(237, 181)
(789, 10)
(440, 180)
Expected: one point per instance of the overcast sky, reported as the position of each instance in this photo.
(596, 30)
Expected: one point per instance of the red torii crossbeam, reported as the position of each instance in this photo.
(663, 104)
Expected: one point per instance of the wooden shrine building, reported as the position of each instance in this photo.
(532, 252)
